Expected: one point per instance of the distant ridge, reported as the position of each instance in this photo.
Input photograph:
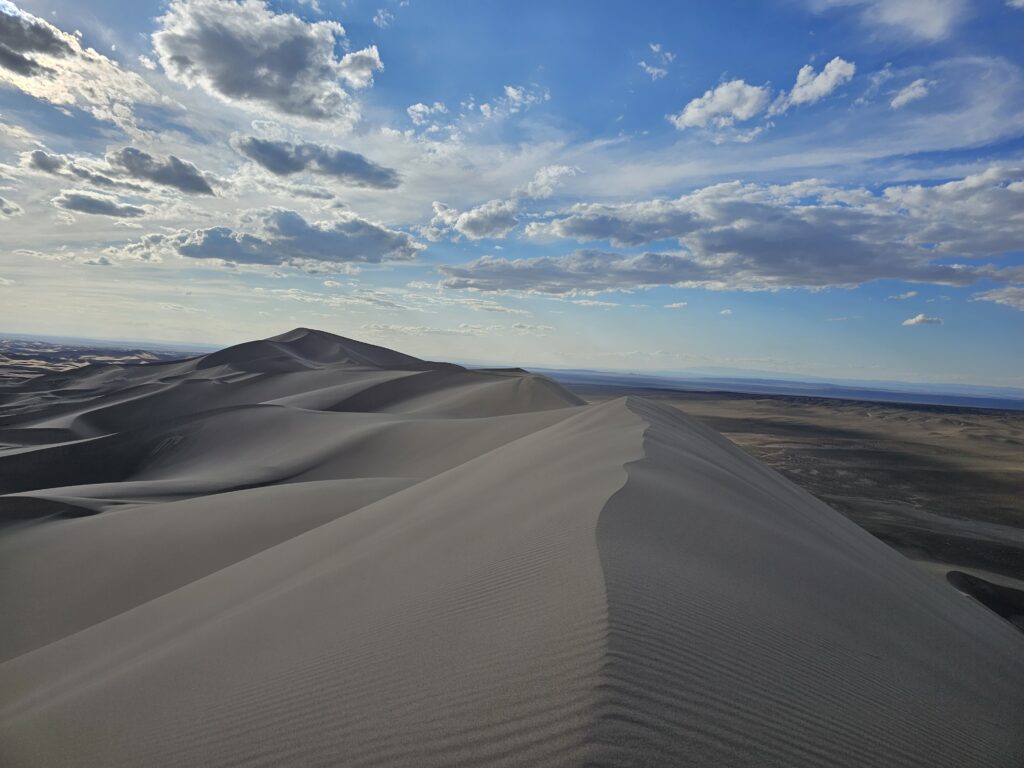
(304, 346)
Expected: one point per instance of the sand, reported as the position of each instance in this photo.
(311, 551)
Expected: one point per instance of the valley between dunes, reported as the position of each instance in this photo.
(307, 550)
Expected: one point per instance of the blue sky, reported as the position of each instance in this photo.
(821, 187)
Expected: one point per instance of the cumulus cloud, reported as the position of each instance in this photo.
(1010, 295)
(96, 204)
(547, 179)
(9, 209)
(284, 237)
(579, 272)
(757, 237)
(79, 169)
(623, 224)
(811, 87)
(284, 158)
(913, 92)
(979, 215)
(22, 34)
(242, 52)
(495, 218)
(922, 320)
(926, 20)
(357, 68)
(420, 113)
(51, 65)
(723, 105)
(170, 171)
(122, 168)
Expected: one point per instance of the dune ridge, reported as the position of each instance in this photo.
(310, 551)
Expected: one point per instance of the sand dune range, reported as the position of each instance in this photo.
(310, 551)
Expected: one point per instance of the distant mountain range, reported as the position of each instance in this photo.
(764, 383)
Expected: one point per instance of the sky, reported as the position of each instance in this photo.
(828, 188)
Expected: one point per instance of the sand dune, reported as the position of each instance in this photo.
(312, 551)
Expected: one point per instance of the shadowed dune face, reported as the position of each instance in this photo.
(311, 551)
(1006, 601)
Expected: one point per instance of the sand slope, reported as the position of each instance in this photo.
(309, 551)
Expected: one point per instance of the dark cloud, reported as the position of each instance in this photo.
(99, 205)
(285, 158)
(598, 271)
(127, 162)
(44, 161)
(284, 237)
(69, 167)
(245, 52)
(753, 237)
(169, 172)
(22, 34)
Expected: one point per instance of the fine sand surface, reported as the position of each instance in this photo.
(943, 485)
(312, 551)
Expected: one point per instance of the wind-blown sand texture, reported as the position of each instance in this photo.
(312, 551)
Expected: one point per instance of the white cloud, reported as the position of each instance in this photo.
(654, 72)
(922, 320)
(495, 218)
(168, 306)
(9, 209)
(547, 179)
(916, 90)
(1010, 295)
(515, 98)
(724, 105)
(676, 305)
(726, 312)
(811, 87)
(383, 18)
(532, 330)
(242, 52)
(52, 66)
(758, 237)
(357, 68)
(420, 113)
(926, 20)
(462, 329)
(1016, 4)
(903, 296)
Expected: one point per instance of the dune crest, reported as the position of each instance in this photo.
(307, 550)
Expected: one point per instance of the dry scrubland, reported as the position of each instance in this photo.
(312, 551)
